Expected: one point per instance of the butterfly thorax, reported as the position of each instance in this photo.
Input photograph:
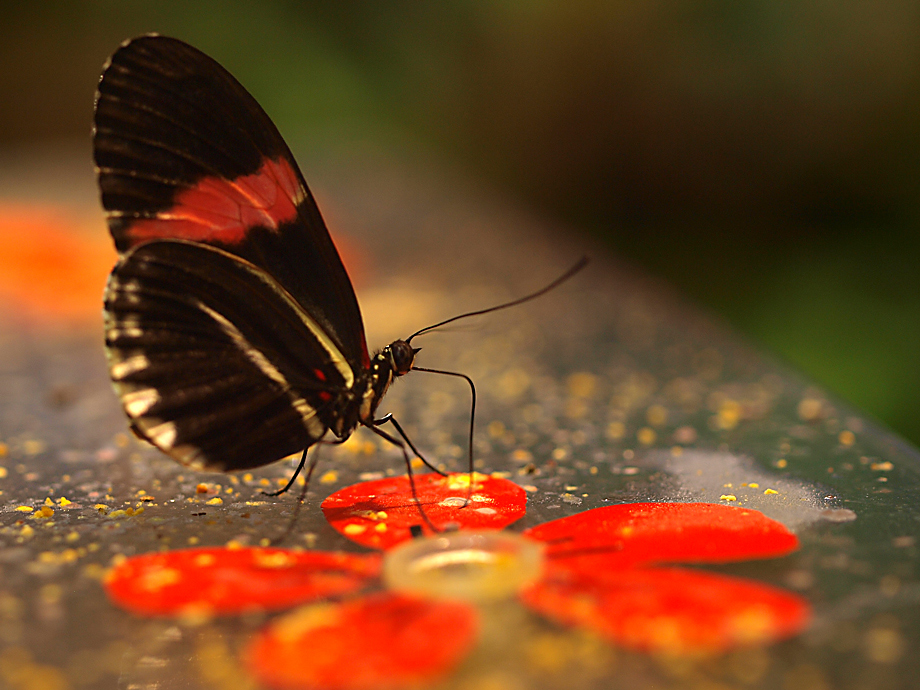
(371, 384)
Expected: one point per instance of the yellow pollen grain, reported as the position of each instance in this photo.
(846, 438)
(158, 578)
(290, 628)
(352, 444)
(354, 528)
(728, 497)
(25, 509)
(646, 436)
(274, 560)
(216, 501)
(769, 492)
(616, 431)
(521, 455)
(729, 415)
(810, 409)
(496, 429)
(330, 477)
(33, 447)
(582, 385)
(462, 481)
(656, 415)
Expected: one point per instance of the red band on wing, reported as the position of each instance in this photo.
(219, 210)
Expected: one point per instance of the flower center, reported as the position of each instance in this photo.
(473, 566)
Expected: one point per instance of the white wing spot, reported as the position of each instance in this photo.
(138, 403)
(163, 435)
(117, 333)
(131, 365)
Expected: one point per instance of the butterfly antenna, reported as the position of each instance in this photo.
(580, 264)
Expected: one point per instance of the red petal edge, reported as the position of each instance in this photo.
(637, 534)
(379, 514)
(671, 610)
(378, 642)
(220, 581)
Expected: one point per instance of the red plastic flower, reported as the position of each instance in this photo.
(609, 570)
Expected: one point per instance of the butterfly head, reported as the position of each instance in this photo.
(402, 356)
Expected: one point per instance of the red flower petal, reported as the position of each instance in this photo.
(53, 263)
(229, 581)
(671, 610)
(379, 513)
(379, 642)
(636, 534)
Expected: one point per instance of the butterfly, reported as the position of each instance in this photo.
(232, 331)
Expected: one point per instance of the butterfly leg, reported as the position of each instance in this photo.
(303, 460)
(392, 420)
(303, 493)
(402, 446)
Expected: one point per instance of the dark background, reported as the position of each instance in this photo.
(762, 157)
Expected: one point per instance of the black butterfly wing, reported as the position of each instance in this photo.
(216, 364)
(183, 151)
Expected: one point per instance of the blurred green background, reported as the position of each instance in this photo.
(762, 157)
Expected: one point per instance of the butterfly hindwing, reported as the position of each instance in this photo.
(183, 151)
(214, 362)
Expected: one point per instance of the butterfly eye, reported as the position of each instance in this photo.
(403, 356)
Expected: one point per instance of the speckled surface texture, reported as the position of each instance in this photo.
(608, 390)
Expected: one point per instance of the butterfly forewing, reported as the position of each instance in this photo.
(215, 362)
(183, 151)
